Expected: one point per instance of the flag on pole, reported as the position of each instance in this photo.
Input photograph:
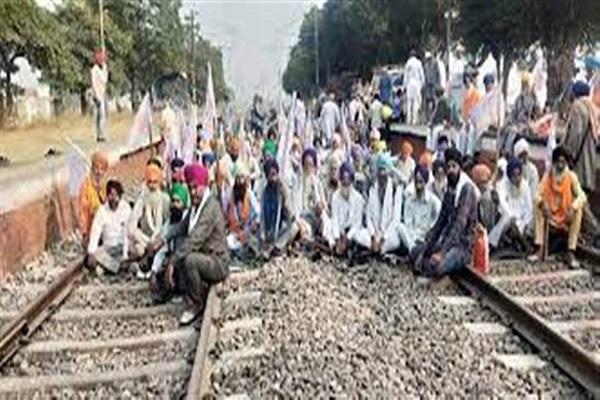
(308, 135)
(346, 139)
(282, 121)
(285, 141)
(190, 136)
(209, 117)
(551, 143)
(142, 123)
(78, 166)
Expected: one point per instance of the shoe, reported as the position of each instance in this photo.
(189, 316)
(572, 262)
(176, 299)
(99, 271)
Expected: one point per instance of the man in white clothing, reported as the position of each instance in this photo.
(516, 209)
(529, 171)
(383, 211)
(414, 79)
(375, 113)
(421, 209)
(347, 206)
(109, 226)
(330, 117)
(99, 78)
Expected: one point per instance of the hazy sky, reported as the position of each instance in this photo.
(255, 37)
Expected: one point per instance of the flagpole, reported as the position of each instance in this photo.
(101, 7)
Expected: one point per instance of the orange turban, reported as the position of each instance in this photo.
(153, 173)
(481, 174)
(234, 145)
(426, 159)
(100, 160)
(406, 148)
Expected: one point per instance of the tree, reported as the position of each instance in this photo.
(31, 32)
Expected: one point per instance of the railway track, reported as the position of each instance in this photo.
(97, 337)
(552, 307)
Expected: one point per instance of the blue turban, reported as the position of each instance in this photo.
(310, 152)
(489, 79)
(346, 169)
(580, 88)
(270, 164)
(513, 165)
(422, 171)
(177, 163)
(384, 161)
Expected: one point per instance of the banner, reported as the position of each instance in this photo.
(139, 133)
(286, 140)
(209, 116)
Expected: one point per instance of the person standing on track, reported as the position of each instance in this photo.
(448, 245)
(110, 227)
(414, 79)
(202, 257)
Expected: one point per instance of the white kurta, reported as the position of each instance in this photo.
(515, 202)
(330, 119)
(420, 214)
(375, 114)
(346, 216)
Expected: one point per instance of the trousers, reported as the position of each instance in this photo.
(200, 270)
(573, 229)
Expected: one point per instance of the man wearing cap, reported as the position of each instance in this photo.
(383, 211)
(528, 168)
(448, 245)
(421, 209)
(99, 77)
(242, 215)
(559, 203)
(203, 255)
(92, 193)
(347, 207)
(109, 228)
(148, 218)
(516, 208)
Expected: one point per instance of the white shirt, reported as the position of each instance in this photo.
(346, 213)
(111, 226)
(516, 202)
(420, 213)
(300, 117)
(356, 110)
(330, 118)
(375, 111)
(413, 71)
(99, 81)
(383, 215)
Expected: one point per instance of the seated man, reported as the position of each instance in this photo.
(421, 209)
(438, 185)
(528, 169)
(383, 212)
(448, 245)
(202, 256)
(516, 209)
(109, 226)
(180, 201)
(559, 204)
(347, 206)
(242, 215)
(146, 223)
(278, 225)
(406, 164)
(488, 209)
(177, 176)
(92, 194)
(309, 197)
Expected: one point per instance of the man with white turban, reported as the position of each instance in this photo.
(529, 171)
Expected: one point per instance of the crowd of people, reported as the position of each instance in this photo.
(254, 196)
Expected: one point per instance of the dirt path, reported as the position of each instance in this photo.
(25, 148)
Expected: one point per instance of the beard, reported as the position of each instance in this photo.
(176, 215)
(452, 179)
(239, 191)
(345, 190)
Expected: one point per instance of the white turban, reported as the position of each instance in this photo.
(375, 135)
(522, 146)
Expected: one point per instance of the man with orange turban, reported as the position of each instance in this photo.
(406, 163)
(149, 218)
(92, 193)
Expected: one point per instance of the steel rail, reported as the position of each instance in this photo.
(199, 383)
(564, 352)
(19, 330)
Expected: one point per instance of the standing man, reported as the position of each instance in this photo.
(414, 78)
(448, 245)
(330, 117)
(99, 75)
(375, 113)
(432, 81)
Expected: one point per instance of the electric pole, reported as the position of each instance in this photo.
(192, 51)
(101, 7)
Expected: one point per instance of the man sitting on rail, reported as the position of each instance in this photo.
(92, 194)
(109, 226)
(421, 209)
(347, 206)
(203, 255)
(559, 204)
(150, 214)
(516, 209)
(448, 245)
(278, 225)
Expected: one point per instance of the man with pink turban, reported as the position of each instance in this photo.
(202, 258)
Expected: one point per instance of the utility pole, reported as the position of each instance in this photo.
(192, 51)
(101, 7)
(316, 13)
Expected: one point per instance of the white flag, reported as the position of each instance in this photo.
(347, 140)
(78, 166)
(190, 137)
(285, 141)
(551, 143)
(308, 136)
(139, 133)
(209, 117)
